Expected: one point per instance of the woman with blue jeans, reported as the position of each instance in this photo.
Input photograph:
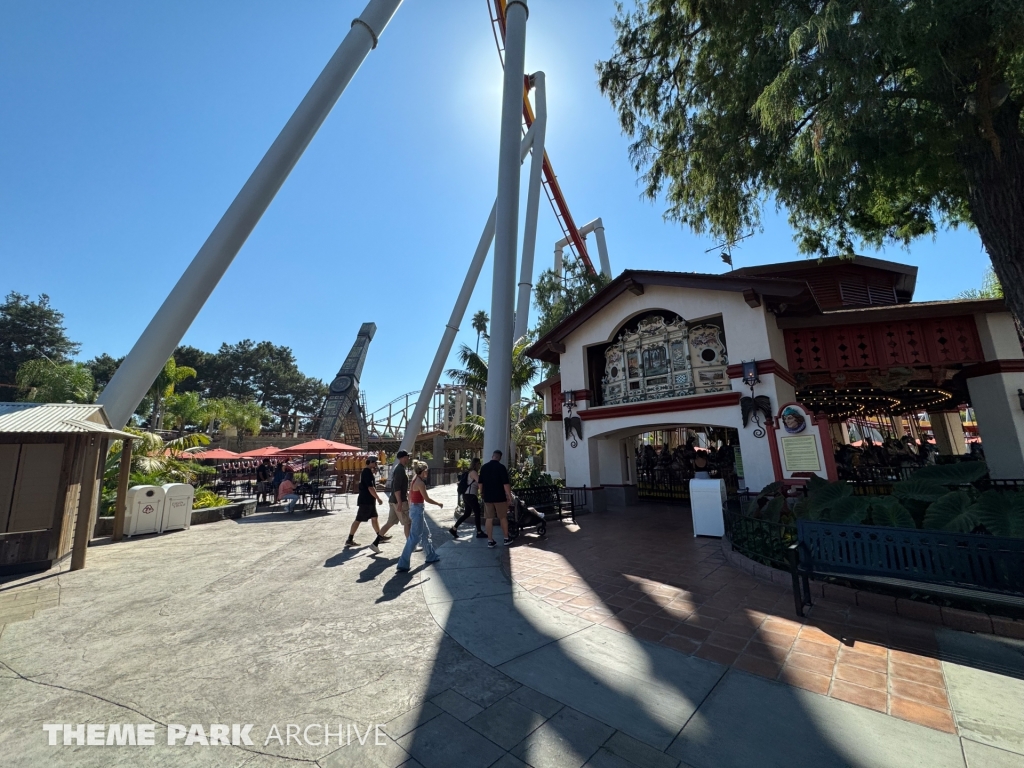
(418, 529)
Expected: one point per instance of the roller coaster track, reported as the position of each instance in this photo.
(577, 245)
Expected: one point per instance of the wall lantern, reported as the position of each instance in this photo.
(750, 377)
(1020, 395)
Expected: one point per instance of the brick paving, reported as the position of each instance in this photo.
(642, 572)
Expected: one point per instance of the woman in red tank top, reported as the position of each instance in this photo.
(418, 532)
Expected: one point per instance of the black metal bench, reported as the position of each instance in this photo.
(553, 502)
(975, 567)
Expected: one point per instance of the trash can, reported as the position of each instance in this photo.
(145, 510)
(707, 504)
(178, 498)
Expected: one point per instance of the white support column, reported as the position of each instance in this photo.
(140, 368)
(997, 407)
(532, 208)
(499, 364)
(558, 268)
(602, 249)
(949, 431)
(458, 313)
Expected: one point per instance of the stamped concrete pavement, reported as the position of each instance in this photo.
(269, 621)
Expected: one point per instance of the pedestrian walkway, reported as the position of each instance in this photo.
(270, 620)
(647, 575)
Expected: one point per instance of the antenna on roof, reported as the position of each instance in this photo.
(726, 247)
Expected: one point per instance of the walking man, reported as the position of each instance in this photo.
(366, 509)
(398, 502)
(497, 492)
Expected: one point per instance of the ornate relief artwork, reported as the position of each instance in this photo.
(709, 357)
(664, 358)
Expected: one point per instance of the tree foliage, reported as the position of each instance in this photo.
(261, 371)
(45, 382)
(878, 120)
(30, 330)
(556, 298)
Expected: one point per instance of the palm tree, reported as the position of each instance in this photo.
(480, 320)
(171, 375)
(189, 408)
(244, 415)
(527, 430)
(154, 461)
(474, 375)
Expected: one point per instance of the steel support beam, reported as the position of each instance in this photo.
(499, 363)
(163, 334)
(532, 207)
(415, 422)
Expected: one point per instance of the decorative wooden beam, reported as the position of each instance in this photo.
(634, 287)
(752, 297)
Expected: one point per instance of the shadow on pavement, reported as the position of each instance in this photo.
(617, 686)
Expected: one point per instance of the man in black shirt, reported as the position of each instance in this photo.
(263, 473)
(497, 493)
(365, 507)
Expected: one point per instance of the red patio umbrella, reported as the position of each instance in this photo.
(261, 452)
(217, 454)
(319, 447)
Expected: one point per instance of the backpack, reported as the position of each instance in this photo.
(463, 483)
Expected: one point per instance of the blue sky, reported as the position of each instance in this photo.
(129, 127)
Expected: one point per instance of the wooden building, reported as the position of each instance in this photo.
(50, 472)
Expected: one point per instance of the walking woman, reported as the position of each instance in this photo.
(418, 532)
(471, 502)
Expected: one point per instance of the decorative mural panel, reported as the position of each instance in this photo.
(661, 357)
(903, 343)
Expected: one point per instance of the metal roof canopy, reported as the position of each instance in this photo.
(48, 418)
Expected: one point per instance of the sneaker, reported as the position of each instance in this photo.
(418, 548)
(481, 535)
(402, 570)
(492, 543)
(350, 543)
(375, 548)
(453, 532)
(506, 542)
(385, 538)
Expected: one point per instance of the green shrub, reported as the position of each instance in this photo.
(947, 497)
(206, 499)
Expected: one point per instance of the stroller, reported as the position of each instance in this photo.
(522, 517)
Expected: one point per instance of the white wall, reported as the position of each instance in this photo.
(998, 336)
(750, 334)
(1000, 422)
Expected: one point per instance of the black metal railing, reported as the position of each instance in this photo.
(672, 484)
(761, 540)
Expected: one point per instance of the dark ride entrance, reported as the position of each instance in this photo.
(667, 459)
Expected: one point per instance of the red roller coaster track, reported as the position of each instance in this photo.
(577, 245)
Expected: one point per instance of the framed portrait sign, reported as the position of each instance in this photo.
(801, 444)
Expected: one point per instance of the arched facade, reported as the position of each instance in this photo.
(659, 360)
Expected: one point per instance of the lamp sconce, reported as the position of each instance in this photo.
(569, 398)
(750, 377)
(1020, 395)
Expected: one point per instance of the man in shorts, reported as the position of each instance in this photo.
(366, 509)
(497, 493)
(398, 502)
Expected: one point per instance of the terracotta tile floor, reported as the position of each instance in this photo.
(645, 574)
